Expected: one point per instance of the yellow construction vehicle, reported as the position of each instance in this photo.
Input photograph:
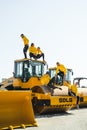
(31, 75)
(68, 79)
(67, 83)
(82, 90)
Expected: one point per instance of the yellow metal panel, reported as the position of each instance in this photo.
(16, 109)
(85, 99)
(63, 100)
(33, 81)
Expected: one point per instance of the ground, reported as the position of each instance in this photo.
(75, 119)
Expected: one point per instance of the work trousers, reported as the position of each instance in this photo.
(36, 56)
(25, 50)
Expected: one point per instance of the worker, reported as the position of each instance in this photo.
(26, 44)
(33, 51)
(60, 71)
(36, 53)
(40, 53)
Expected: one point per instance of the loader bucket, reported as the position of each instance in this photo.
(16, 110)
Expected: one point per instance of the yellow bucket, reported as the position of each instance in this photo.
(16, 109)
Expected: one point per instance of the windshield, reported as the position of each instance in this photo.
(27, 69)
(52, 72)
(82, 83)
(69, 75)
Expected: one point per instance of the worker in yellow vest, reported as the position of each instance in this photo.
(36, 53)
(61, 71)
(40, 53)
(33, 51)
(26, 44)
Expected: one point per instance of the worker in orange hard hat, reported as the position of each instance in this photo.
(26, 44)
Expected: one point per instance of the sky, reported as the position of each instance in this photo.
(59, 27)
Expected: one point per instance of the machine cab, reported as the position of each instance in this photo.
(81, 81)
(26, 68)
(68, 78)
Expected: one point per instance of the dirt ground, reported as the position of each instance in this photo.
(75, 119)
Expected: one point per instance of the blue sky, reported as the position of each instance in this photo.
(59, 27)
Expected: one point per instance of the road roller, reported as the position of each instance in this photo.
(33, 76)
(82, 90)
